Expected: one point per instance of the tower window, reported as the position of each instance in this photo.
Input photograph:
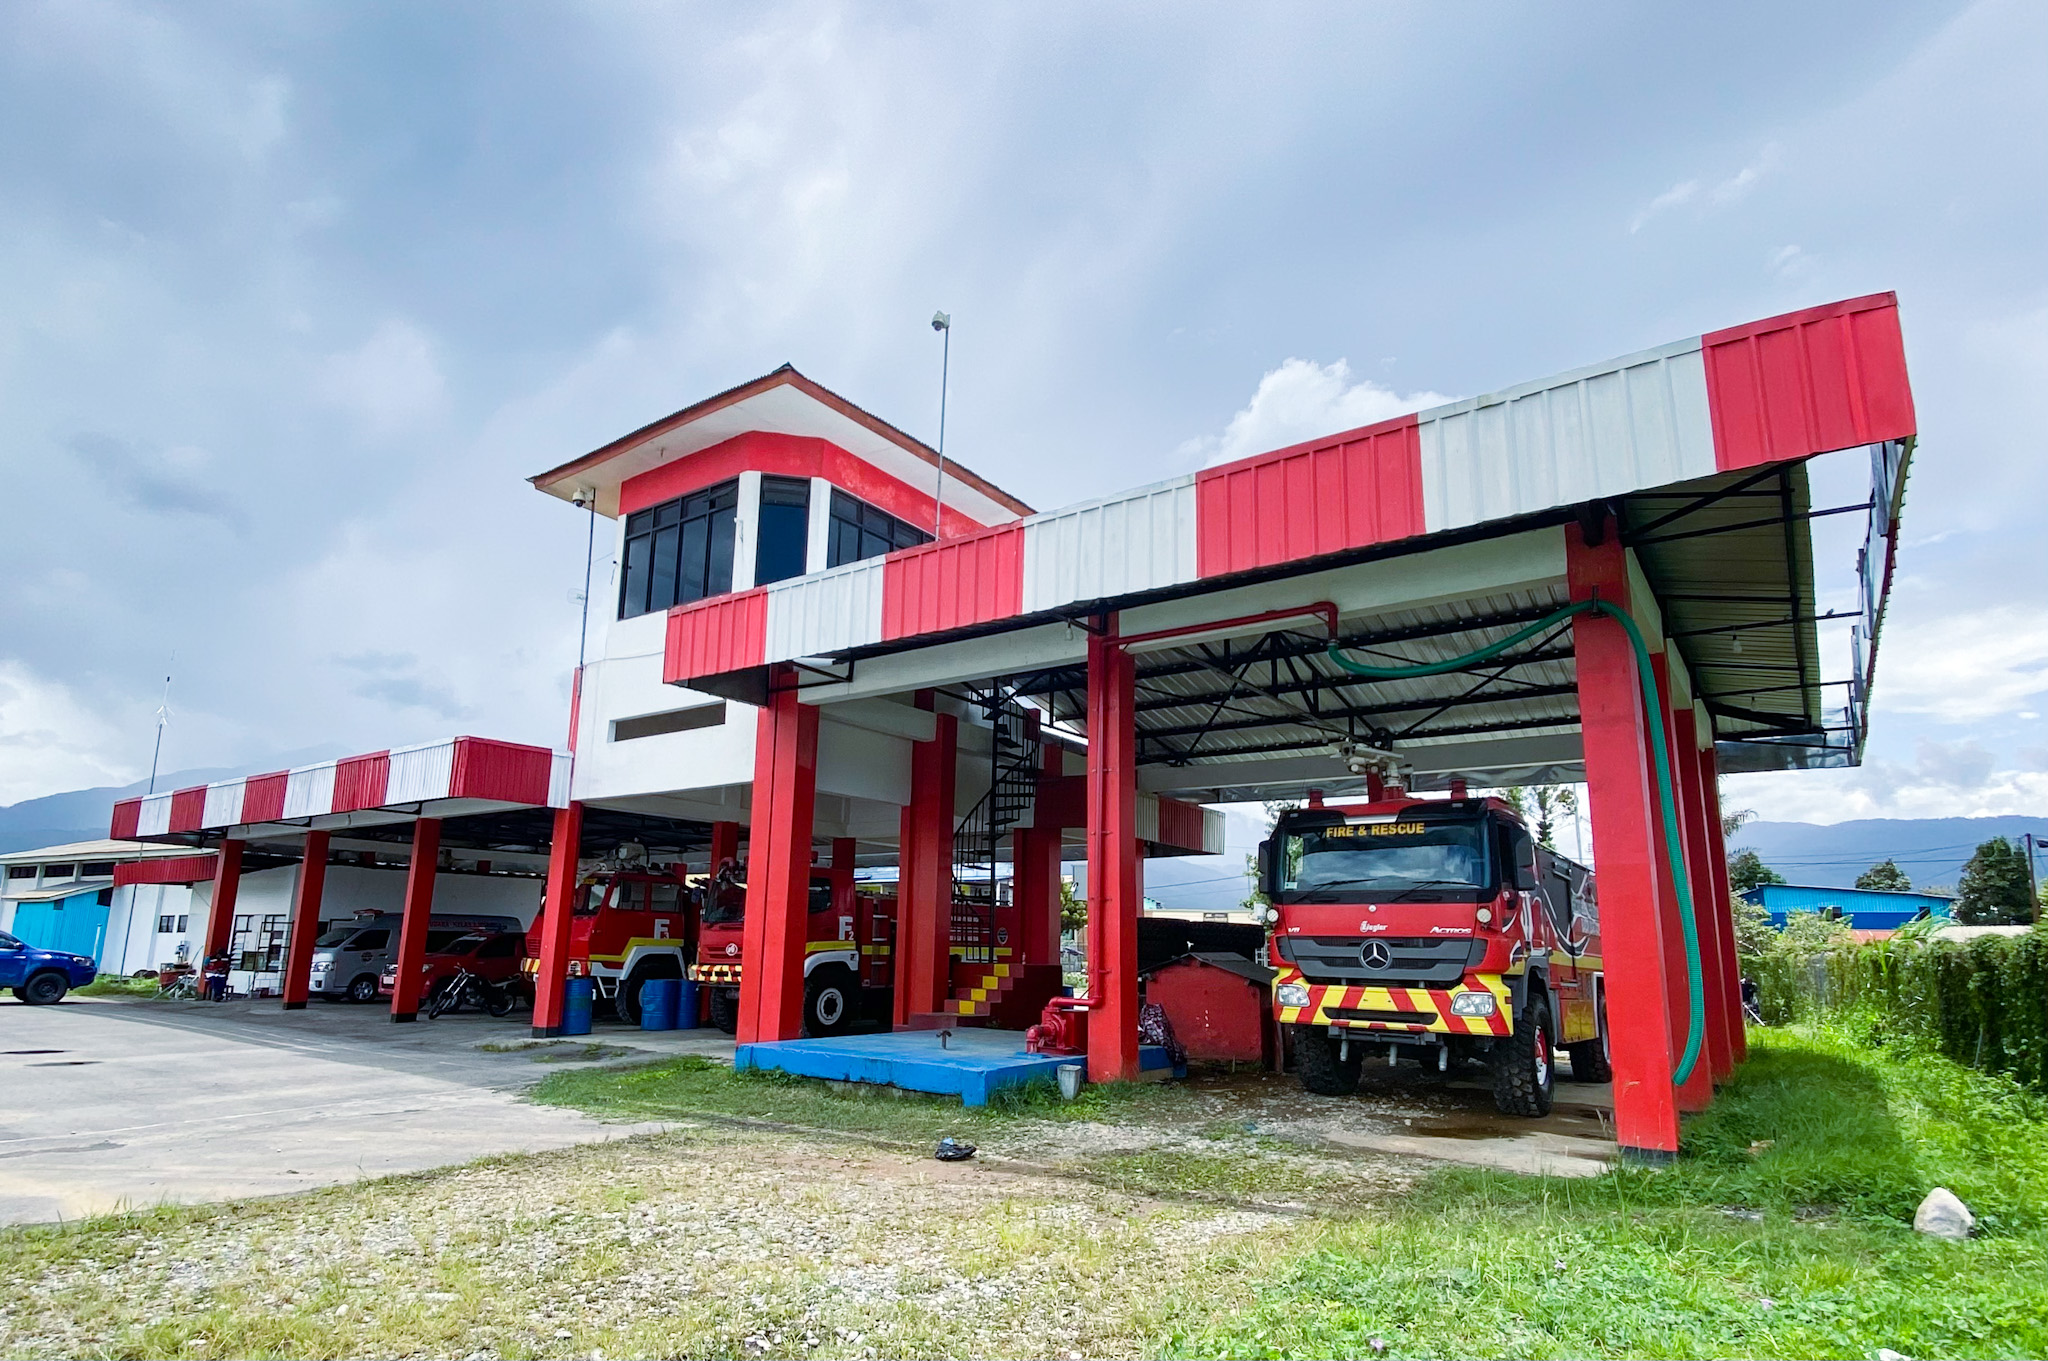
(860, 531)
(785, 529)
(678, 551)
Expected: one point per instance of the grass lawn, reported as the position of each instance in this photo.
(787, 1218)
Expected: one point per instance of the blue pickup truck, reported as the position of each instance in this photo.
(40, 977)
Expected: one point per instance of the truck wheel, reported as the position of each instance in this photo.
(725, 1009)
(363, 988)
(44, 989)
(1322, 1071)
(1522, 1075)
(829, 1001)
(1590, 1060)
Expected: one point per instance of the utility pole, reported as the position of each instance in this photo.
(163, 716)
(943, 323)
(2033, 884)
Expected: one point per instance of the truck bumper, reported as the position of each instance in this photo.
(727, 975)
(1406, 1010)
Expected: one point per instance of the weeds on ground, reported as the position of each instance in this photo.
(114, 985)
(1785, 1230)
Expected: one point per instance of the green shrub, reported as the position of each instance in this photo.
(1983, 1003)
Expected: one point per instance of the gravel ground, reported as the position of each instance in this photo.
(711, 1240)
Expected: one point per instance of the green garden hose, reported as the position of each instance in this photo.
(1667, 800)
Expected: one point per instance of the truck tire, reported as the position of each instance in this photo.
(626, 1005)
(44, 988)
(831, 1001)
(1590, 1060)
(1522, 1070)
(725, 1009)
(1322, 1071)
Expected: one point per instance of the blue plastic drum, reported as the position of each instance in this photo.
(576, 1007)
(658, 998)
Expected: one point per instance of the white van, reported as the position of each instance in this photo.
(348, 959)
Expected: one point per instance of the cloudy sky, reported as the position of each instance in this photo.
(292, 298)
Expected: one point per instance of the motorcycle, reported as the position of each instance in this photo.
(468, 989)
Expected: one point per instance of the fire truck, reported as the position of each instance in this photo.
(643, 921)
(1437, 929)
(848, 950)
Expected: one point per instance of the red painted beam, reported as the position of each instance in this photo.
(779, 866)
(227, 886)
(419, 912)
(1724, 904)
(725, 843)
(306, 895)
(924, 903)
(1114, 890)
(558, 904)
(1706, 904)
(1698, 1091)
(1616, 737)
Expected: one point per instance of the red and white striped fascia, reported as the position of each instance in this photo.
(401, 778)
(1826, 378)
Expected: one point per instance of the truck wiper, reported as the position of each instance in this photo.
(1432, 883)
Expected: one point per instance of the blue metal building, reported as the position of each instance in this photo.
(1865, 909)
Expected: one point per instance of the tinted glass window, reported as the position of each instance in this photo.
(785, 529)
(667, 896)
(8, 942)
(1385, 856)
(455, 945)
(821, 895)
(327, 941)
(370, 940)
(499, 947)
(861, 531)
(678, 551)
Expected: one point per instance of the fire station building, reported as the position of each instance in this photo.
(833, 646)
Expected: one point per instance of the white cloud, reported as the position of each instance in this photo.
(1301, 400)
(1685, 191)
(391, 381)
(1721, 194)
(49, 739)
(1944, 780)
(1964, 667)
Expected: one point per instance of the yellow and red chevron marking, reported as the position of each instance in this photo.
(1324, 998)
(714, 973)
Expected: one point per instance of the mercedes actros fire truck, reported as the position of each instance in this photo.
(1437, 929)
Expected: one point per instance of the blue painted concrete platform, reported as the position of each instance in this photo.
(971, 1066)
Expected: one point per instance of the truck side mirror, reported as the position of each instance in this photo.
(1265, 864)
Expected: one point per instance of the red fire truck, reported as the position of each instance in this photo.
(847, 952)
(1436, 928)
(638, 923)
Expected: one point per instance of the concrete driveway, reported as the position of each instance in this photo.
(111, 1105)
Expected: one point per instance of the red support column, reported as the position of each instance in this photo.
(779, 866)
(557, 915)
(1627, 848)
(1113, 886)
(306, 894)
(924, 890)
(1698, 1091)
(1698, 849)
(227, 886)
(1035, 859)
(725, 843)
(419, 911)
(1724, 906)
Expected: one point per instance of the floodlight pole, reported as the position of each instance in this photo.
(943, 323)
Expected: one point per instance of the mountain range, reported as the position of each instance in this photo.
(1932, 851)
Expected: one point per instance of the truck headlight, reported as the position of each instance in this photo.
(1474, 1004)
(1295, 995)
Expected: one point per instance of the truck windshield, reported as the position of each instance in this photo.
(724, 903)
(1385, 856)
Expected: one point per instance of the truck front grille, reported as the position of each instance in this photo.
(1411, 960)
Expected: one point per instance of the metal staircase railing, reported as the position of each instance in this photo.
(1012, 791)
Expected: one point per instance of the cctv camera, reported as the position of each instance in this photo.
(941, 322)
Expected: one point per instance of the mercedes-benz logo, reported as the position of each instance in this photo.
(1376, 955)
